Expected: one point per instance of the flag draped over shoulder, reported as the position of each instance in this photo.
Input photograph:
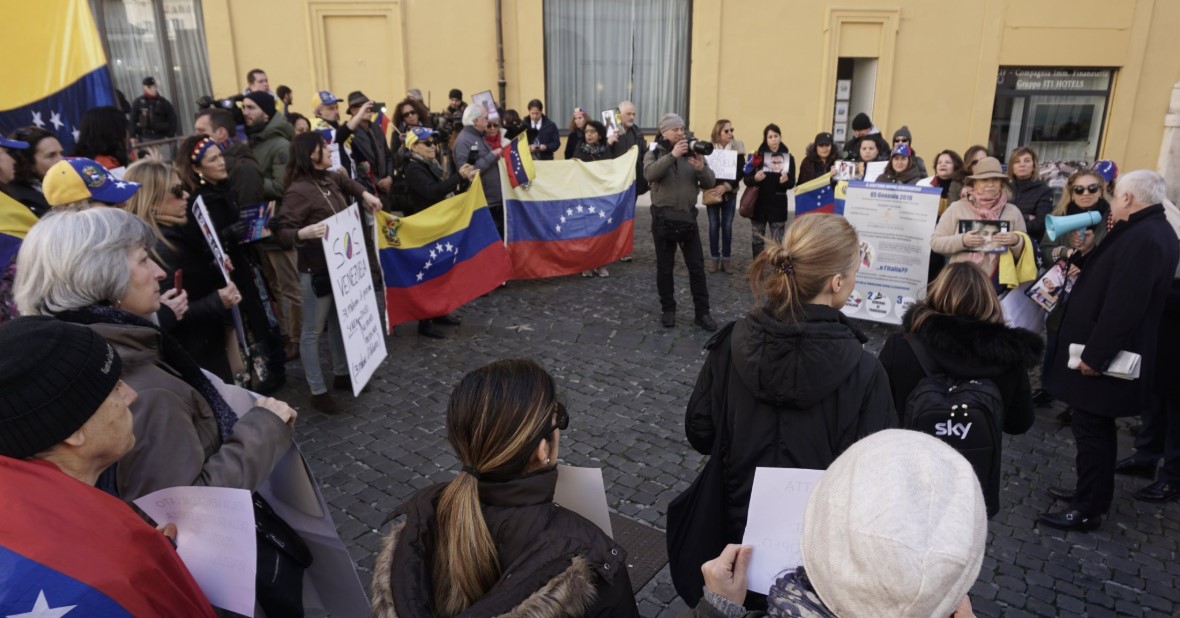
(817, 195)
(65, 75)
(518, 164)
(68, 547)
(15, 221)
(573, 216)
(439, 259)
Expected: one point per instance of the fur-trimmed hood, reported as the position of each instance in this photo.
(966, 347)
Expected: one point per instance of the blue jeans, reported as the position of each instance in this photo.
(758, 228)
(316, 312)
(721, 220)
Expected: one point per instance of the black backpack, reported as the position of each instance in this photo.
(965, 414)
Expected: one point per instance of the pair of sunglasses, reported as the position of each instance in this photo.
(177, 191)
(427, 142)
(901, 140)
(1092, 188)
(409, 113)
(563, 422)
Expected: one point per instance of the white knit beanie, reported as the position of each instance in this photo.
(896, 527)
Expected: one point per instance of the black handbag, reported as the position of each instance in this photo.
(677, 225)
(282, 559)
(697, 520)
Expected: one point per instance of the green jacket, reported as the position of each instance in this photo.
(271, 147)
(674, 184)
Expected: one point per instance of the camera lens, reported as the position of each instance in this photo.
(702, 147)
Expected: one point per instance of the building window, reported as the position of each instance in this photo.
(1059, 113)
(164, 39)
(601, 52)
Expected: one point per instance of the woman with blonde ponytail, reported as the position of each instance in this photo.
(491, 541)
(791, 380)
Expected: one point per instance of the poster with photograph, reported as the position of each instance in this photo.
(1047, 291)
(843, 89)
(988, 230)
(777, 163)
(840, 132)
(844, 170)
(612, 121)
(488, 103)
(841, 111)
(894, 223)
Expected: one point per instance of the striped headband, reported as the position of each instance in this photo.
(201, 148)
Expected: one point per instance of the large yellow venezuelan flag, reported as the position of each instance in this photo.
(56, 68)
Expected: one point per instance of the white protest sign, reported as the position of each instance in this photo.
(774, 526)
(354, 296)
(582, 491)
(723, 163)
(874, 169)
(205, 223)
(895, 223)
(215, 539)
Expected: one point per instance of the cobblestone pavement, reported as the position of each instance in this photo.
(626, 381)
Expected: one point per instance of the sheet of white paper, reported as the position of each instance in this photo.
(774, 526)
(215, 538)
(723, 163)
(874, 169)
(582, 491)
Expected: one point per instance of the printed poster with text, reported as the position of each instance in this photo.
(354, 296)
(895, 223)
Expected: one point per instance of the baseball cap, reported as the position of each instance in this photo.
(78, 178)
(149, 81)
(1107, 169)
(902, 150)
(418, 134)
(823, 139)
(325, 97)
(12, 143)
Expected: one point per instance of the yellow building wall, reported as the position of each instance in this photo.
(752, 62)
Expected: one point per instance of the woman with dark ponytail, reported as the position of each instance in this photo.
(791, 379)
(491, 541)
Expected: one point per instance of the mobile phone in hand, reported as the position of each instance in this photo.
(178, 280)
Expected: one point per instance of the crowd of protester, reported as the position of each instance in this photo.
(117, 283)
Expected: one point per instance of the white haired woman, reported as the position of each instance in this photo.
(92, 266)
(471, 147)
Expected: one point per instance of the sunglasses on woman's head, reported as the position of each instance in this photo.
(177, 191)
(1092, 188)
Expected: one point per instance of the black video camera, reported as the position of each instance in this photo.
(700, 147)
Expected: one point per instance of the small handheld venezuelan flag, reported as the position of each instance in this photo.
(518, 162)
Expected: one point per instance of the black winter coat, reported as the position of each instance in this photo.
(425, 187)
(1169, 355)
(547, 136)
(245, 177)
(969, 349)
(1034, 198)
(32, 198)
(1117, 304)
(813, 166)
(797, 395)
(573, 144)
(553, 562)
(772, 204)
(202, 331)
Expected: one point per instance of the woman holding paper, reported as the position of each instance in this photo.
(793, 372)
(161, 202)
(313, 194)
(961, 328)
(724, 198)
(984, 199)
(773, 178)
(491, 541)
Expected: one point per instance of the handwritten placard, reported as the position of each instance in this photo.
(355, 298)
(723, 163)
(774, 527)
(215, 538)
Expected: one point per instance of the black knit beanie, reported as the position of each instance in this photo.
(861, 121)
(53, 377)
(264, 101)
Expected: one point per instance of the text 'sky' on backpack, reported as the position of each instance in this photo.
(965, 414)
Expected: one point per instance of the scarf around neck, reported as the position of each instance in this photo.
(792, 596)
(985, 208)
(173, 353)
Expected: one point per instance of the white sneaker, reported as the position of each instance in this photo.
(626, 258)
(602, 272)
(587, 273)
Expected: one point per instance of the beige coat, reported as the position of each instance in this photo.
(949, 242)
(177, 442)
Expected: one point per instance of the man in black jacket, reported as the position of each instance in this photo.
(245, 177)
(543, 137)
(862, 129)
(152, 116)
(1115, 308)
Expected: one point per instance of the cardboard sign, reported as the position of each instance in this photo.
(723, 163)
(355, 298)
(774, 527)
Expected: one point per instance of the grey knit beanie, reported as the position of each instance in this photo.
(670, 121)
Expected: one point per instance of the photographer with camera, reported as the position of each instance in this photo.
(370, 151)
(676, 171)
